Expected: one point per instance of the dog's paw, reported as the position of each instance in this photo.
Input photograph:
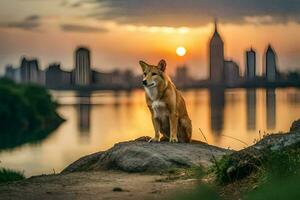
(173, 139)
(154, 140)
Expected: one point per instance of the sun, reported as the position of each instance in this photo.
(180, 51)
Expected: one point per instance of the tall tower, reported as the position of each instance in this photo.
(271, 68)
(82, 72)
(216, 57)
(250, 72)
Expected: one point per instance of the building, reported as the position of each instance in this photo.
(216, 57)
(181, 77)
(271, 66)
(82, 71)
(10, 72)
(250, 71)
(56, 77)
(231, 73)
(30, 71)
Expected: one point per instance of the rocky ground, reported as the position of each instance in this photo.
(95, 185)
(96, 176)
(137, 170)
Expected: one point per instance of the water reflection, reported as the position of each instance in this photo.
(271, 108)
(251, 108)
(217, 103)
(98, 120)
(83, 114)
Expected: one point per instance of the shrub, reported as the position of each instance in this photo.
(27, 113)
(7, 175)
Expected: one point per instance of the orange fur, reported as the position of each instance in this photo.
(166, 104)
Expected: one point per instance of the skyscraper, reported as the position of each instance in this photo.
(82, 72)
(216, 57)
(271, 68)
(250, 72)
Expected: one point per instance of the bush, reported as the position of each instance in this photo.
(27, 113)
(281, 164)
(7, 175)
(236, 166)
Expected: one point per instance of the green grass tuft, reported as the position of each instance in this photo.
(8, 175)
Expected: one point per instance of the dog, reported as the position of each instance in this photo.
(166, 104)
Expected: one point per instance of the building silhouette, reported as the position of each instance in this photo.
(56, 77)
(181, 77)
(82, 71)
(216, 57)
(271, 66)
(250, 71)
(231, 73)
(30, 71)
(12, 73)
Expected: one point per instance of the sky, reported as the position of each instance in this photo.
(119, 33)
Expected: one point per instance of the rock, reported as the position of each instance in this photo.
(117, 189)
(295, 126)
(141, 156)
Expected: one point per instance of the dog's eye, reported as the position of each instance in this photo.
(154, 74)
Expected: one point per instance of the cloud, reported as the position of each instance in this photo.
(32, 22)
(196, 12)
(82, 28)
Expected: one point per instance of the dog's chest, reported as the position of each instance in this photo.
(160, 109)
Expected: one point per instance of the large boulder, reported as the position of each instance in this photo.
(141, 156)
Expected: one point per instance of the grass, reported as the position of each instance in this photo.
(252, 174)
(8, 175)
(194, 172)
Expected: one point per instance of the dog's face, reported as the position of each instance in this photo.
(153, 75)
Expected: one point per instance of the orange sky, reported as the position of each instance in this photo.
(51, 31)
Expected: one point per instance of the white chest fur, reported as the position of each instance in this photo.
(160, 109)
(152, 93)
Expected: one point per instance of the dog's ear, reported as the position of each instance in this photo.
(162, 65)
(143, 65)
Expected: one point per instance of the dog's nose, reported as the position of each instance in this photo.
(144, 82)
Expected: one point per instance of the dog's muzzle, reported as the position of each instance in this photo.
(145, 82)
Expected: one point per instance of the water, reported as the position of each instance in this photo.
(98, 120)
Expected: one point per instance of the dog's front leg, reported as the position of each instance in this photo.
(156, 129)
(173, 127)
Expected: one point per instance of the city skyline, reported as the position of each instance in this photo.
(222, 70)
(50, 30)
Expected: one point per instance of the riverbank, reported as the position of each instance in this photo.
(28, 114)
(162, 170)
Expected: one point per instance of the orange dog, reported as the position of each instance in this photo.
(166, 104)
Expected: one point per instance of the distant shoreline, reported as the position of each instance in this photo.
(206, 86)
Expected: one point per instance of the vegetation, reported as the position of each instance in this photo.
(275, 175)
(195, 172)
(27, 114)
(7, 175)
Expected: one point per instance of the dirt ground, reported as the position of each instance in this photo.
(95, 185)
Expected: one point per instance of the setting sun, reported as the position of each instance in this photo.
(180, 51)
